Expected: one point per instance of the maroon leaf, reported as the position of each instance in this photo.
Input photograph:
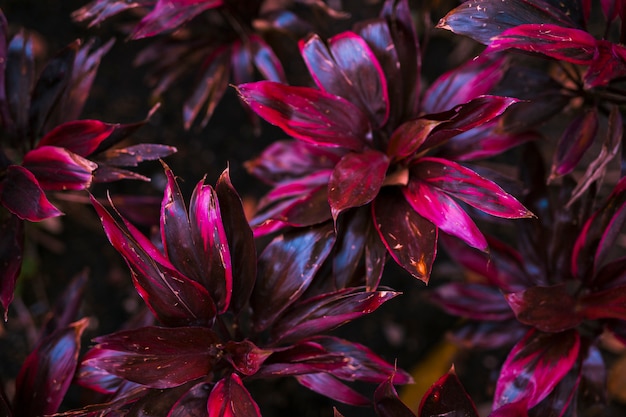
(575, 141)
(286, 268)
(169, 14)
(193, 403)
(327, 311)
(536, 364)
(484, 19)
(174, 299)
(538, 307)
(356, 180)
(59, 169)
(158, 357)
(605, 304)
(240, 242)
(468, 186)
(409, 137)
(387, 403)
(245, 356)
(48, 371)
(21, 194)
(410, 239)
(565, 44)
(307, 114)
(11, 254)
(447, 397)
(229, 398)
(472, 300)
(81, 137)
(608, 64)
(19, 76)
(330, 387)
(131, 156)
(98, 11)
(97, 379)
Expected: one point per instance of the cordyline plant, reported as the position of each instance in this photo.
(43, 147)
(216, 39)
(374, 157)
(552, 297)
(220, 322)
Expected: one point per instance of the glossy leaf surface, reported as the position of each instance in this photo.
(21, 194)
(229, 398)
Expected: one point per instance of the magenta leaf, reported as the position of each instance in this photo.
(356, 180)
(11, 249)
(574, 142)
(18, 78)
(535, 365)
(229, 398)
(565, 44)
(608, 64)
(81, 137)
(308, 114)
(468, 186)
(387, 403)
(327, 311)
(98, 11)
(59, 169)
(537, 307)
(410, 239)
(131, 156)
(21, 194)
(409, 137)
(169, 14)
(440, 209)
(245, 356)
(330, 387)
(286, 268)
(48, 371)
(192, 403)
(447, 397)
(484, 19)
(157, 357)
(174, 299)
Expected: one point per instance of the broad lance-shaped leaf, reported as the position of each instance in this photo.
(245, 356)
(59, 169)
(577, 138)
(468, 186)
(286, 268)
(447, 397)
(327, 311)
(409, 137)
(193, 403)
(308, 114)
(564, 44)
(356, 180)
(48, 371)
(11, 254)
(331, 387)
(21, 194)
(348, 68)
(266, 61)
(131, 156)
(174, 299)
(484, 19)
(387, 403)
(535, 365)
(229, 398)
(410, 239)
(158, 357)
(240, 242)
(472, 300)
(82, 137)
(608, 64)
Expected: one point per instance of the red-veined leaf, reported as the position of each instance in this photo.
(229, 398)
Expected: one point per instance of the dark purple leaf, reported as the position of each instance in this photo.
(106, 173)
(67, 306)
(240, 242)
(156, 402)
(330, 387)
(476, 78)
(131, 156)
(48, 371)
(326, 312)
(82, 137)
(21, 194)
(538, 307)
(266, 61)
(608, 64)
(348, 68)
(489, 334)
(11, 254)
(308, 114)
(484, 19)
(5, 117)
(286, 268)
(59, 169)
(245, 356)
(193, 403)
(349, 248)
(158, 357)
(229, 398)
(387, 403)
(169, 14)
(210, 87)
(304, 357)
(564, 44)
(447, 396)
(174, 299)
(356, 180)
(516, 409)
(472, 300)
(375, 256)
(535, 366)
(410, 239)
(98, 11)
(98, 379)
(468, 186)
(19, 79)
(409, 137)
(574, 142)
(605, 304)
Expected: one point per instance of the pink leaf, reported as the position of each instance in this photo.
(80, 136)
(577, 138)
(59, 169)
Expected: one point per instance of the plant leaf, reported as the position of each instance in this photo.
(59, 169)
(229, 398)
(169, 14)
(447, 396)
(11, 255)
(574, 142)
(330, 387)
(81, 137)
(21, 194)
